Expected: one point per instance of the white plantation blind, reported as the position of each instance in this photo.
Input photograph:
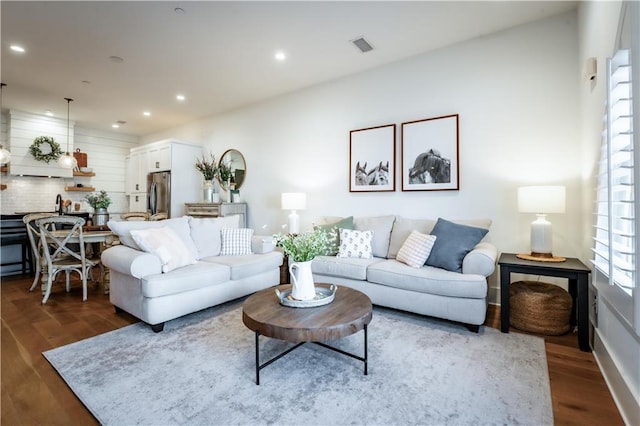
(614, 245)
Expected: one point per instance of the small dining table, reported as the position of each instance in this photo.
(98, 239)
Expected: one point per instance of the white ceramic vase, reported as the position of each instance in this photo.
(303, 288)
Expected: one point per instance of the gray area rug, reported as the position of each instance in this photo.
(201, 370)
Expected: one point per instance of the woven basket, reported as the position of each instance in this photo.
(539, 307)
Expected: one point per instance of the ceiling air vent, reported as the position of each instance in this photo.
(362, 44)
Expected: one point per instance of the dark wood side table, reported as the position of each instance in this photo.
(572, 269)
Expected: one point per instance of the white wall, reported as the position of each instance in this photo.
(617, 347)
(517, 95)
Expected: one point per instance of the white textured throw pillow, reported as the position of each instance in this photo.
(416, 249)
(355, 243)
(236, 241)
(166, 244)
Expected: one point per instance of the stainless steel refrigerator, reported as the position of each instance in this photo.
(159, 193)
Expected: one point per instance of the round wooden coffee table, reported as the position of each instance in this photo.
(350, 312)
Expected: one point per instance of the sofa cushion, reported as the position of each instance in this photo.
(179, 224)
(355, 244)
(427, 279)
(192, 277)
(205, 233)
(164, 243)
(333, 234)
(453, 243)
(236, 241)
(248, 265)
(343, 267)
(416, 248)
(381, 227)
(402, 227)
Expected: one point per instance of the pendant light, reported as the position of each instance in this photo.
(5, 155)
(67, 161)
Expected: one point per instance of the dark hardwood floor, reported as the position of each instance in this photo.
(33, 393)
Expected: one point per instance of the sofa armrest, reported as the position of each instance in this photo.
(261, 244)
(131, 262)
(481, 260)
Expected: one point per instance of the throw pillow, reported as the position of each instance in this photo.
(236, 241)
(180, 225)
(416, 249)
(331, 229)
(166, 244)
(205, 233)
(453, 243)
(355, 244)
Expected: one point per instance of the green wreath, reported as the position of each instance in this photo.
(53, 153)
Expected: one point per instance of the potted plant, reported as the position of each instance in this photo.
(302, 249)
(100, 202)
(210, 171)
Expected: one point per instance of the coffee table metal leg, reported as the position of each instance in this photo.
(365, 350)
(257, 359)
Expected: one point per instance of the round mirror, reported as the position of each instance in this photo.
(232, 168)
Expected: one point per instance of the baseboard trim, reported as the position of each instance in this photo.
(622, 396)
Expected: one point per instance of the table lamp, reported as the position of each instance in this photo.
(541, 200)
(294, 201)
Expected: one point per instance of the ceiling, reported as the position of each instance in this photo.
(219, 55)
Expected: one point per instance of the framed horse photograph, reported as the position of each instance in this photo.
(430, 160)
(372, 159)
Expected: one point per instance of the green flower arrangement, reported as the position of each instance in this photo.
(99, 201)
(51, 153)
(224, 171)
(306, 246)
(208, 167)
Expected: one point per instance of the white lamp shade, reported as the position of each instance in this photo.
(541, 199)
(294, 201)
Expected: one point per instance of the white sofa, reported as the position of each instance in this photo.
(140, 287)
(459, 296)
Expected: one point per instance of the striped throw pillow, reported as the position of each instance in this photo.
(416, 249)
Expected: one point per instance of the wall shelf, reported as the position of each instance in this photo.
(79, 189)
(4, 169)
(84, 174)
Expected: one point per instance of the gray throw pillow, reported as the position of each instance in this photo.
(453, 242)
(333, 233)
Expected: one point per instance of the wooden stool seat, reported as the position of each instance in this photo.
(539, 307)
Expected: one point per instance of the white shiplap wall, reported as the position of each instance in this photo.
(24, 127)
(106, 152)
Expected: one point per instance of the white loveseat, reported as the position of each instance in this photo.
(458, 294)
(149, 286)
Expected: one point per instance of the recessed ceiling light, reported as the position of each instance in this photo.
(116, 59)
(49, 113)
(115, 125)
(17, 48)
(280, 56)
(179, 11)
(180, 97)
(147, 113)
(85, 82)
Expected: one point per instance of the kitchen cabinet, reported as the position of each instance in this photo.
(159, 158)
(176, 157)
(138, 202)
(137, 172)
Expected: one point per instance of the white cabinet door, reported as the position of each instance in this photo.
(138, 202)
(137, 172)
(160, 158)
